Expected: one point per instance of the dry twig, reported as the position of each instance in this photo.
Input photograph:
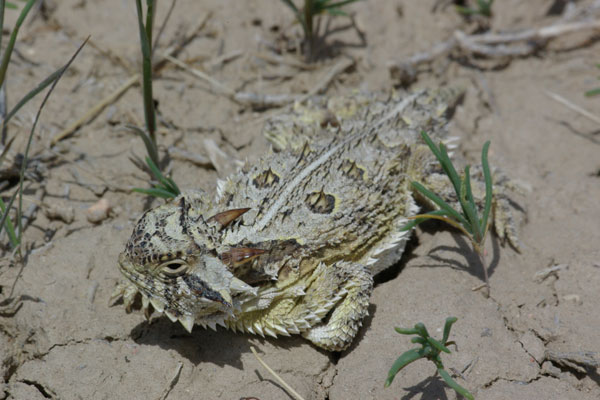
(287, 387)
(490, 45)
(569, 104)
(259, 100)
(173, 382)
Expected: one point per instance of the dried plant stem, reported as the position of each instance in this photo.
(287, 387)
(262, 101)
(569, 104)
(215, 84)
(172, 382)
(491, 45)
(481, 253)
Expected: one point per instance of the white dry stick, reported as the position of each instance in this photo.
(173, 381)
(292, 62)
(492, 45)
(215, 84)
(572, 106)
(287, 387)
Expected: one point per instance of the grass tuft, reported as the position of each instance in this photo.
(467, 220)
(15, 233)
(307, 15)
(166, 187)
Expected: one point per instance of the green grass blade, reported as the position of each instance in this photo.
(442, 156)
(401, 362)
(156, 192)
(459, 389)
(437, 345)
(147, 77)
(417, 221)
(168, 183)
(434, 149)
(450, 170)
(485, 7)
(329, 6)
(13, 39)
(291, 5)
(30, 139)
(41, 86)
(153, 168)
(6, 222)
(6, 149)
(593, 92)
(465, 10)
(468, 205)
(447, 327)
(298, 14)
(151, 148)
(3, 5)
(440, 203)
(149, 21)
(488, 187)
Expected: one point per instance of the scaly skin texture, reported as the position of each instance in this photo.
(289, 245)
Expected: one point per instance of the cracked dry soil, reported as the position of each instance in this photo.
(60, 340)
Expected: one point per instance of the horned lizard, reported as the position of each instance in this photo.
(290, 244)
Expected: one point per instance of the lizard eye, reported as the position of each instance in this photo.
(174, 268)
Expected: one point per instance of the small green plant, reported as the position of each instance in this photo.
(306, 16)
(165, 187)
(484, 7)
(467, 220)
(593, 92)
(15, 233)
(430, 349)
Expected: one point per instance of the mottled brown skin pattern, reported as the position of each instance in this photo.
(289, 244)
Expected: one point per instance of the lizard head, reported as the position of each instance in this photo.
(171, 260)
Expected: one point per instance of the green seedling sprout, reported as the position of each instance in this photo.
(430, 349)
(593, 92)
(467, 220)
(312, 8)
(166, 187)
(484, 7)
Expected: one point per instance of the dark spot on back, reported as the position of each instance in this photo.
(320, 202)
(265, 179)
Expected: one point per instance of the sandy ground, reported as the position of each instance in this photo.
(63, 341)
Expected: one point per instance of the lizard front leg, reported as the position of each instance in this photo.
(343, 288)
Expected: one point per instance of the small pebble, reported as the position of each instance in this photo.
(98, 212)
